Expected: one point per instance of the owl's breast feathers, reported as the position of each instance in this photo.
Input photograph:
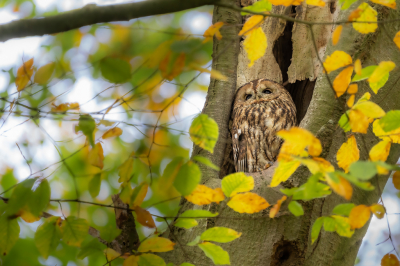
(254, 128)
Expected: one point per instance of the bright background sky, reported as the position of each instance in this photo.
(13, 51)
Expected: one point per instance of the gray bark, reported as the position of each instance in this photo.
(285, 240)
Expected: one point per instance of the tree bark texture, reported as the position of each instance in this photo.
(285, 240)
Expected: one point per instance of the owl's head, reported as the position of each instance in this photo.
(259, 91)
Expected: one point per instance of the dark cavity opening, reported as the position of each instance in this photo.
(285, 254)
(301, 91)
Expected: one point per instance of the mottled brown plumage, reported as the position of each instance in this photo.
(261, 108)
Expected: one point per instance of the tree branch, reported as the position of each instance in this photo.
(92, 14)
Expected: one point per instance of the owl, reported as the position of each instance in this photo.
(261, 108)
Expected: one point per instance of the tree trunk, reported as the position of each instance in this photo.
(285, 240)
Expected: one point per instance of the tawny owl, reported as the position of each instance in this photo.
(261, 108)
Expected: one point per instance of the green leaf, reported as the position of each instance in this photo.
(220, 234)
(115, 70)
(354, 180)
(93, 247)
(387, 166)
(343, 226)
(20, 196)
(186, 264)
(109, 233)
(375, 86)
(329, 224)
(87, 125)
(44, 73)
(150, 260)
(204, 132)
(48, 236)
(235, 183)
(40, 198)
(74, 230)
(296, 208)
(9, 233)
(390, 121)
(260, 6)
(347, 3)
(94, 185)
(363, 170)
(186, 223)
(215, 253)
(125, 170)
(198, 214)
(312, 189)
(205, 161)
(365, 73)
(344, 122)
(194, 242)
(188, 178)
(8, 180)
(316, 228)
(343, 209)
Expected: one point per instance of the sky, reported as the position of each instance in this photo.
(12, 52)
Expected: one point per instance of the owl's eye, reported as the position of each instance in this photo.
(248, 96)
(266, 91)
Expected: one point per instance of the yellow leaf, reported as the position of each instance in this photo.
(27, 216)
(203, 195)
(144, 217)
(96, 156)
(283, 171)
(393, 136)
(159, 54)
(396, 180)
(138, 194)
(315, 2)
(131, 261)
(388, 3)
(369, 109)
(156, 244)
(359, 216)
(286, 2)
(64, 107)
(350, 101)
(253, 23)
(255, 45)
(348, 153)
(380, 151)
(358, 121)
(248, 203)
(343, 188)
(44, 73)
(111, 254)
(396, 39)
(297, 139)
(378, 210)
(318, 165)
(381, 71)
(342, 81)
(113, 132)
(24, 74)
(213, 30)
(367, 14)
(357, 67)
(337, 60)
(390, 260)
(336, 34)
(353, 88)
(354, 15)
(275, 209)
(125, 170)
